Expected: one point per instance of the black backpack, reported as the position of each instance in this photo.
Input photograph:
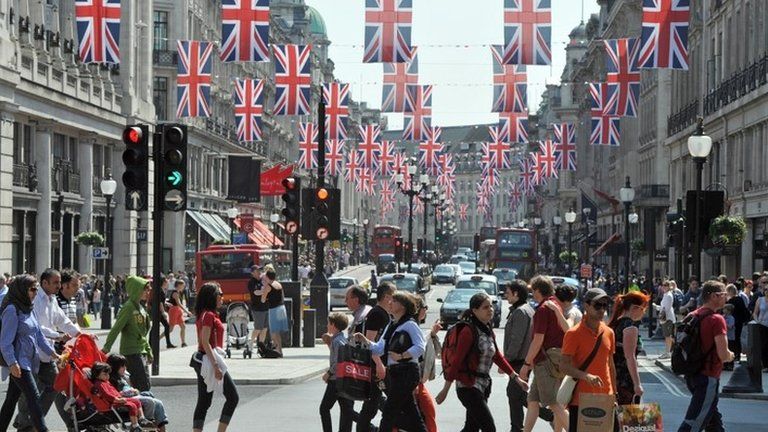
(688, 357)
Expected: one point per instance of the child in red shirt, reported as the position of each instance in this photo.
(107, 397)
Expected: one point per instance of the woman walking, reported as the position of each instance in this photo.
(403, 343)
(272, 294)
(176, 311)
(627, 313)
(476, 351)
(208, 361)
(96, 299)
(20, 340)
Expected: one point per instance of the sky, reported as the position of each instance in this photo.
(452, 37)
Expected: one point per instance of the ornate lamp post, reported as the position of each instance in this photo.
(411, 193)
(570, 218)
(699, 146)
(626, 195)
(232, 214)
(108, 188)
(557, 221)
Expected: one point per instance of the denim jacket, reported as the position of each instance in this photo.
(20, 339)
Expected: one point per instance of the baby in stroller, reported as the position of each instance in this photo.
(107, 397)
(119, 378)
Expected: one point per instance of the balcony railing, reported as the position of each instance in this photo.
(165, 58)
(654, 191)
(741, 83)
(682, 119)
(21, 175)
(65, 178)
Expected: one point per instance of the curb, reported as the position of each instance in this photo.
(161, 381)
(743, 396)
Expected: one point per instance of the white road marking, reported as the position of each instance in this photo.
(674, 389)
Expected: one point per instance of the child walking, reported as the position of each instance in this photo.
(107, 397)
(337, 323)
(176, 311)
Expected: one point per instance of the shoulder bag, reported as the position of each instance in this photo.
(565, 392)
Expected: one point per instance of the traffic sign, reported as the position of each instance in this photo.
(141, 235)
(586, 271)
(100, 253)
(134, 200)
(174, 178)
(241, 238)
(174, 200)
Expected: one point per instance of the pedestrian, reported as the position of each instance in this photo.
(176, 315)
(3, 287)
(691, 299)
(133, 324)
(21, 343)
(667, 317)
(627, 313)
(568, 315)
(427, 365)
(304, 275)
(210, 337)
(760, 315)
(57, 327)
(543, 358)
(67, 296)
(96, 301)
(703, 413)
(259, 308)
(107, 398)
(337, 323)
(730, 325)
(402, 344)
(272, 294)
(476, 352)
(153, 408)
(374, 281)
(356, 300)
(741, 317)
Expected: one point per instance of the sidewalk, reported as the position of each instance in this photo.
(666, 364)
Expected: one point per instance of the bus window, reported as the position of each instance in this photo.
(226, 266)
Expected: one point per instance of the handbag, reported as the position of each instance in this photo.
(640, 416)
(568, 385)
(354, 372)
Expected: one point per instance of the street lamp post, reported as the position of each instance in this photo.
(426, 200)
(626, 195)
(411, 193)
(354, 240)
(557, 221)
(586, 212)
(699, 146)
(537, 229)
(108, 187)
(570, 218)
(274, 217)
(232, 213)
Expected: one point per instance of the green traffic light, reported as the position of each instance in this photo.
(174, 178)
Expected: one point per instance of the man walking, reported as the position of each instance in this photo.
(703, 413)
(667, 317)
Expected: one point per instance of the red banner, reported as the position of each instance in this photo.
(246, 223)
(272, 179)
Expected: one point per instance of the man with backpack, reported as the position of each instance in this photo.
(699, 353)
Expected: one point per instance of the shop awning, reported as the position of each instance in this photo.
(261, 235)
(210, 225)
(614, 238)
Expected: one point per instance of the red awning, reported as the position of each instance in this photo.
(261, 235)
(614, 238)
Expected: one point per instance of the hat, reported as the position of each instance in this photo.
(256, 267)
(594, 294)
(269, 268)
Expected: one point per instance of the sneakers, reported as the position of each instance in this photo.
(145, 422)
(169, 346)
(666, 355)
(183, 345)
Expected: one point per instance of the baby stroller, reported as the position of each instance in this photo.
(74, 380)
(238, 317)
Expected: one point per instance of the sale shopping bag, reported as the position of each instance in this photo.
(640, 417)
(354, 372)
(596, 412)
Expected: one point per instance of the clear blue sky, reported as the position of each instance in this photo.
(462, 76)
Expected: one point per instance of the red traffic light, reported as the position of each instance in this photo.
(132, 135)
(289, 183)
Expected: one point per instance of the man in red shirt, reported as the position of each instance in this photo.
(705, 386)
(547, 335)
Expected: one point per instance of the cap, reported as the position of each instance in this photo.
(594, 294)
(256, 267)
(269, 268)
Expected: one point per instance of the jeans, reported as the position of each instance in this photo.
(44, 383)
(204, 400)
(368, 410)
(702, 412)
(96, 309)
(402, 379)
(479, 417)
(138, 371)
(16, 387)
(518, 399)
(346, 406)
(153, 408)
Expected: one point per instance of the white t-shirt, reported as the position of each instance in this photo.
(573, 314)
(667, 303)
(304, 272)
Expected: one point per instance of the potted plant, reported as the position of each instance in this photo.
(220, 242)
(568, 257)
(727, 233)
(90, 238)
(638, 247)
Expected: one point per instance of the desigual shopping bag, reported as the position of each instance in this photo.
(354, 372)
(596, 412)
(640, 417)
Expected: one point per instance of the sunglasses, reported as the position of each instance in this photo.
(600, 305)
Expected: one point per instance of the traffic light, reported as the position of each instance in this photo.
(420, 247)
(398, 249)
(136, 161)
(322, 214)
(292, 200)
(174, 167)
(477, 243)
(408, 251)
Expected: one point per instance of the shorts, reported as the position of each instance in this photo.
(544, 386)
(260, 319)
(668, 328)
(278, 320)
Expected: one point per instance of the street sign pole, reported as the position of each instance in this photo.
(157, 252)
(318, 288)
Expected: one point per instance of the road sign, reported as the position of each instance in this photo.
(100, 253)
(134, 200)
(241, 238)
(174, 200)
(586, 271)
(174, 178)
(141, 235)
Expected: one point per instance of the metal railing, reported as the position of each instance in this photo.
(654, 191)
(65, 178)
(682, 119)
(741, 83)
(21, 175)
(165, 58)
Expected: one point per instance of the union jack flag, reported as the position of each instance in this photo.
(307, 146)
(548, 159)
(388, 31)
(352, 167)
(387, 195)
(445, 165)
(514, 127)
(98, 30)
(249, 107)
(664, 40)
(386, 157)
(606, 130)
(369, 148)
(528, 32)
(193, 79)
(336, 97)
(463, 212)
(399, 164)
(334, 157)
(397, 78)
(490, 176)
(515, 195)
(565, 148)
(418, 113)
(510, 84)
(537, 177)
(293, 81)
(430, 150)
(365, 181)
(498, 150)
(244, 30)
(527, 172)
(623, 77)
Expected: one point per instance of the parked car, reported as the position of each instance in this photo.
(504, 275)
(338, 287)
(455, 302)
(468, 267)
(445, 273)
(410, 282)
(487, 283)
(385, 263)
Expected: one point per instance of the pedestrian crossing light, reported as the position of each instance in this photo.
(292, 202)
(174, 167)
(136, 161)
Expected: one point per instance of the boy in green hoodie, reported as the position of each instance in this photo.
(133, 324)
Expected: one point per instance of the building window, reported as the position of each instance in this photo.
(22, 144)
(161, 30)
(160, 97)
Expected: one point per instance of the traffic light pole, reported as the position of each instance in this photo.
(318, 288)
(157, 252)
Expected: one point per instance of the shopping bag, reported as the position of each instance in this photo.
(87, 322)
(596, 412)
(354, 372)
(640, 417)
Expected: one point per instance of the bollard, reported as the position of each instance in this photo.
(286, 336)
(309, 327)
(293, 291)
(748, 378)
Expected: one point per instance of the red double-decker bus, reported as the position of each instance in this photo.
(384, 239)
(230, 266)
(516, 249)
(487, 233)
